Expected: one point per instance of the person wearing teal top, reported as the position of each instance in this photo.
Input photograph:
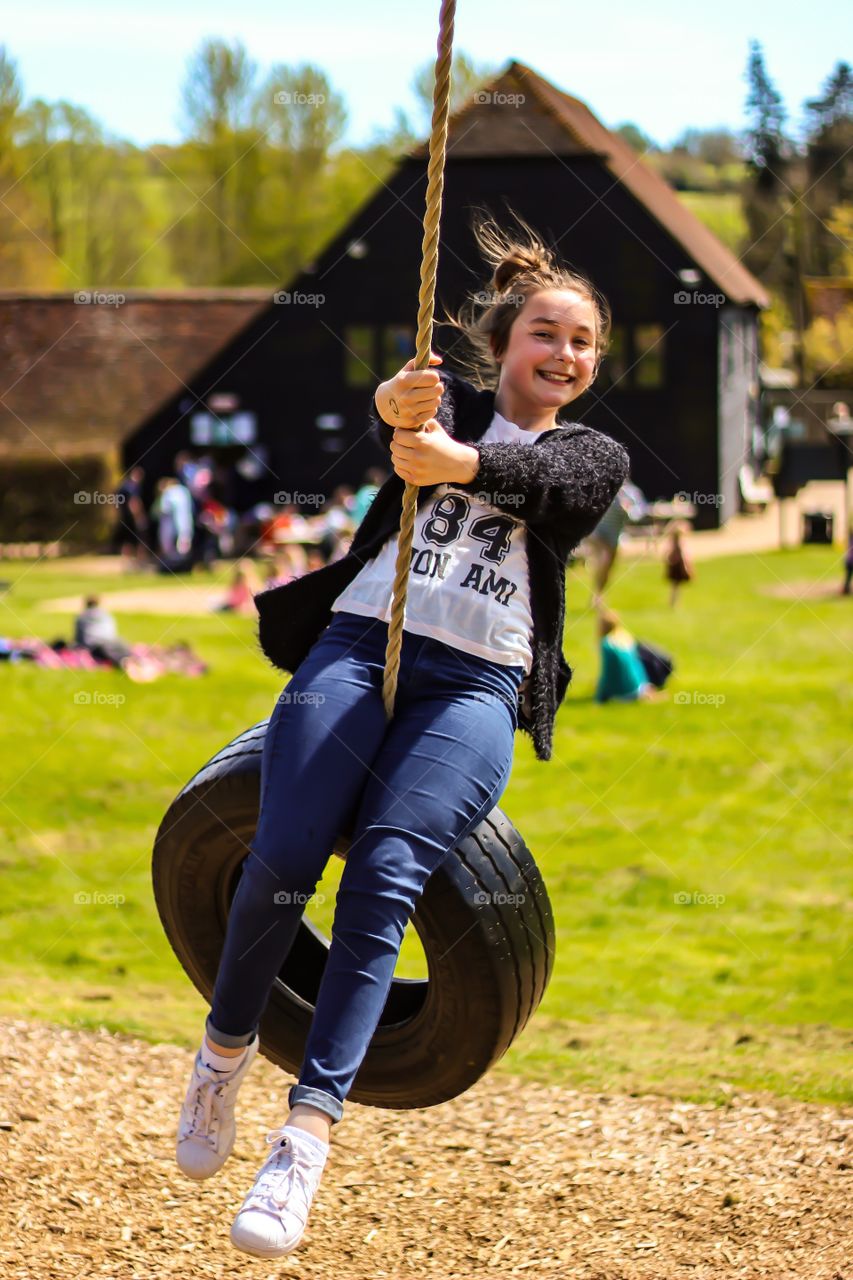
(623, 676)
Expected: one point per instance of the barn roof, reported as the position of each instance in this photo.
(546, 121)
(77, 378)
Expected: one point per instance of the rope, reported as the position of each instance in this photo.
(426, 303)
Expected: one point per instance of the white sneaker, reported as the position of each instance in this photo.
(273, 1215)
(207, 1128)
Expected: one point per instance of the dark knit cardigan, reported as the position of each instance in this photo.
(559, 485)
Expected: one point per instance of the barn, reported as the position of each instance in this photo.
(679, 387)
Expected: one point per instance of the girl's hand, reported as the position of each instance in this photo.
(411, 397)
(432, 456)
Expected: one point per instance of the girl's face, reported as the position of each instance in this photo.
(550, 356)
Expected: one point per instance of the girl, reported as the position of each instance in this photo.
(506, 492)
(623, 676)
(677, 567)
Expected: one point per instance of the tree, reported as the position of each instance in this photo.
(25, 257)
(715, 147)
(766, 145)
(829, 171)
(301, 118)
(217, 116)
(635, 138)
(466, 77)
(772, 251)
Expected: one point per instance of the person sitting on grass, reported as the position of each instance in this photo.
(623, 677)
(244, 585)
(95, 629)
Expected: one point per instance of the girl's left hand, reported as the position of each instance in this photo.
(431, 456)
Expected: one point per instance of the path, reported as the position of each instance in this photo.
(512, 1179)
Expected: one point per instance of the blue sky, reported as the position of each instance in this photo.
(665, 65)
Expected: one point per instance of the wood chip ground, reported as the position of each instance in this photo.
(512, 1179)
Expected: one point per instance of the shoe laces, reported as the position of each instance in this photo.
(202, 1118)
(289, 1176)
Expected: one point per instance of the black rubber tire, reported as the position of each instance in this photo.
(488, 961)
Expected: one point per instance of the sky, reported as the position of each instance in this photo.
(665, 65)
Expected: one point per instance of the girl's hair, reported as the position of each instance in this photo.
(522, 264)
(608, 621)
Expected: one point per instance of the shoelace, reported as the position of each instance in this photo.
(204, 1125)
(300, 1176)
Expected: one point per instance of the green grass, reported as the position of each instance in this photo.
(740, 802)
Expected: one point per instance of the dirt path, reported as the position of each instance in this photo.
(177, 601)
(510, 1179)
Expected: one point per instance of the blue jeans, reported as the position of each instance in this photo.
(411, 788)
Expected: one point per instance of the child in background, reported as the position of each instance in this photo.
(848, 563)
(623, 676)
(242, 591)
(677, 566)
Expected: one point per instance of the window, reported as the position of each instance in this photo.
(359, 356)
(398, 346)
(615, 363)
(648, 355)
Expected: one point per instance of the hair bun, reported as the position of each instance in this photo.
(518, 263)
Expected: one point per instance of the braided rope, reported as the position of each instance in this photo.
(426, 304)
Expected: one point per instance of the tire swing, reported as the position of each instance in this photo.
(484, 919)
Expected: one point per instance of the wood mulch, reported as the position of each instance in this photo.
(512, 1179)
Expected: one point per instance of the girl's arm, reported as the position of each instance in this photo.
(567, 482)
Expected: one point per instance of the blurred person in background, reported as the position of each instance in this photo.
(602, 544)
(130, 532)
(677, 566)
(95, 629)
(372, 482)
(623, 677)
(173, 507)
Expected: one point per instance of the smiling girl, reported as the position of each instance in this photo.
(507, 491)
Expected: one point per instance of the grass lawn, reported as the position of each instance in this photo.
(696, 850)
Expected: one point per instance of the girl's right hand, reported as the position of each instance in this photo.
(412, 396)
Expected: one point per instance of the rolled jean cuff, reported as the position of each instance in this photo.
(316, 1098)
(228, 1041)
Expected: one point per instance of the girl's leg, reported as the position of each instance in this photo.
(323, 735)
(442, 767)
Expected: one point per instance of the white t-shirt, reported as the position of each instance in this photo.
(468, 581)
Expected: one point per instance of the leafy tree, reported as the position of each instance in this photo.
(221, 161)
(771, 249)
(634, 136)
(466, 77)
(26, 260)
(829, 169)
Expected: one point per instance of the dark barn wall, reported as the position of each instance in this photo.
(289, 365)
